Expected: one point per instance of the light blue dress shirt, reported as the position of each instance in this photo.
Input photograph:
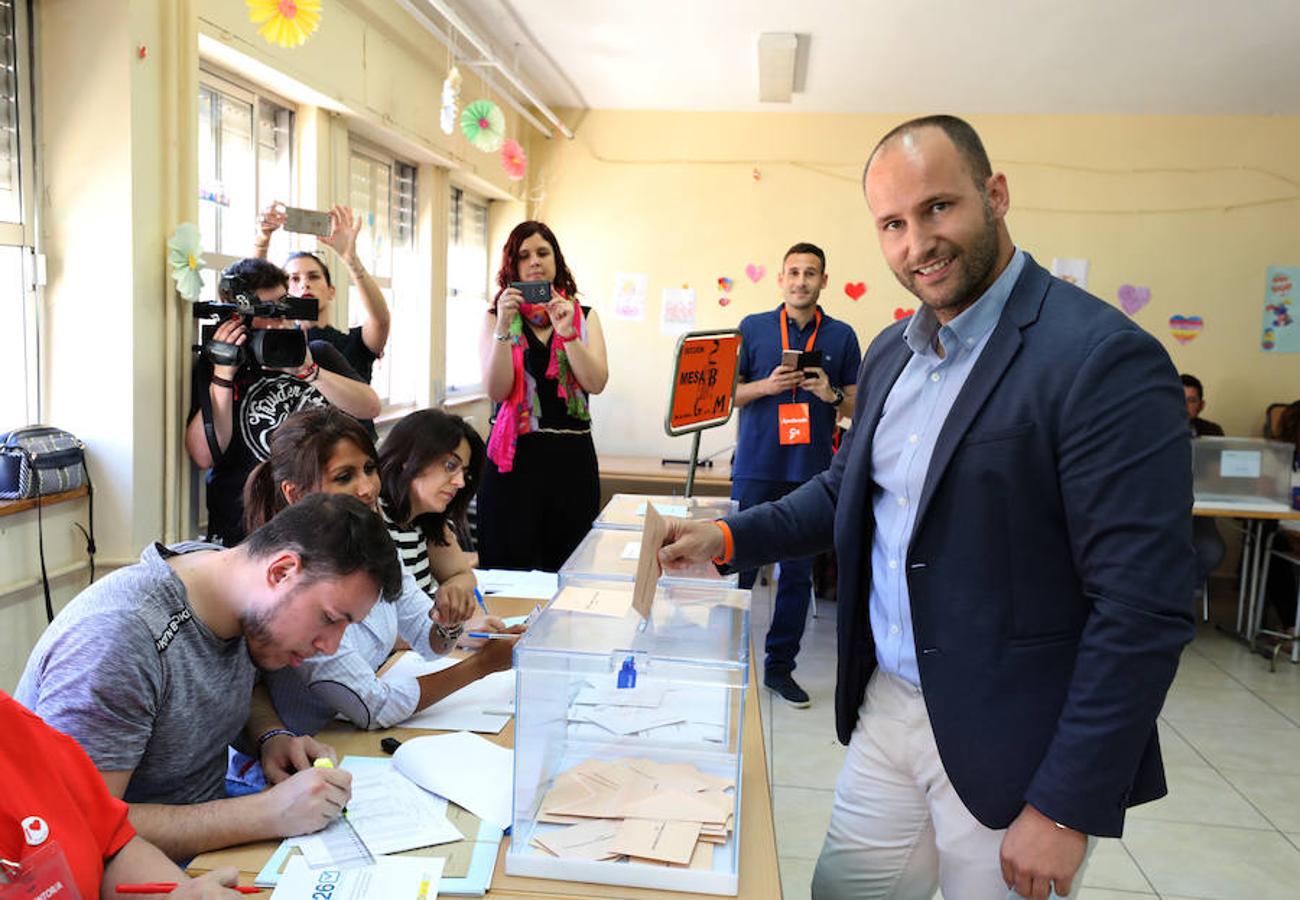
(913, 415)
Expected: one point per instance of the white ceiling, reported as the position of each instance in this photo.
(1212, 57)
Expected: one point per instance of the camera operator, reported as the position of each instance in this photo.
(308, 275)
(236, 407)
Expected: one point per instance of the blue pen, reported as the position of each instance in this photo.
(489, 635)
(481, 605)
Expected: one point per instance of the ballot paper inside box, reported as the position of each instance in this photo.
(633, 785)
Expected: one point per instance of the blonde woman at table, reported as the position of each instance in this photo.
(325, 450)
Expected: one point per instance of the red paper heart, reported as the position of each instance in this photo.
(723, 301)
(900, 313)
(855, 289)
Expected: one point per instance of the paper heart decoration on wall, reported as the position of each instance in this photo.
(900, 313)
(723, 301)
(755, 272)
(725, 284)
(855, 289)
(1185, 328)
(1132, 298)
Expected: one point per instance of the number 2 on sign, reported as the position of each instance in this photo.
(793, 425)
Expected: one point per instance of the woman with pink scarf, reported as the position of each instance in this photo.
(541, 360)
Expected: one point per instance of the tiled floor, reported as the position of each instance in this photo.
(1230, 732)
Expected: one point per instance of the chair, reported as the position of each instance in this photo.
(1282, 638)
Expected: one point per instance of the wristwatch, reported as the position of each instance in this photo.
(839, 396)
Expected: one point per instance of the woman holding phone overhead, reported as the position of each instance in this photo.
(543, 356)
(325, 450)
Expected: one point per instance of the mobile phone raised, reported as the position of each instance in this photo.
(790, 358)
(306, 221)
(533, 291)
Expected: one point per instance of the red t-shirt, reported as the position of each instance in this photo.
(46, 773)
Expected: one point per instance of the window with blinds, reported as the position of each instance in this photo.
(19, 294)
(382, 191)
(467, 289)
(10, 164)
(245, 163)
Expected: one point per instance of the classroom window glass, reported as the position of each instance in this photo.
(383, 192)
(245, 163)
(20, 296)
(467, 289)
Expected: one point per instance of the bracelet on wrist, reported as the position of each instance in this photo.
(310, 374)
(502, 338)
(274, 732)
(449, 634)
(222, 382)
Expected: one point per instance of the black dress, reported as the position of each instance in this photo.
(535, 515)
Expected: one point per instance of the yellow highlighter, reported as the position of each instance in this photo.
(324, 762)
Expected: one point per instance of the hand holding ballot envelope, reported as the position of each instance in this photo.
(689, 543)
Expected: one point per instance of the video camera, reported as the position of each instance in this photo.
(275, 348)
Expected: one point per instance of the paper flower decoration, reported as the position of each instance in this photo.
(513, 159)
(484, 125)
(450, 97)
(183, 249)
(285, 22)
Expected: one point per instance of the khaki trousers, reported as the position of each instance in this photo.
(898, 829)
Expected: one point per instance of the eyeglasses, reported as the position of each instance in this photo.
(451, 465)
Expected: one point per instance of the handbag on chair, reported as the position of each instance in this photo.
(40, 460)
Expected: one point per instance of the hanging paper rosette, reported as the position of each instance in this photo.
(513, 159)
(450, 97)
(285, 22)
(484, 125)
(183, 255)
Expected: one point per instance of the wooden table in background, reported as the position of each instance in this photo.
(759, 876)
(648, 475)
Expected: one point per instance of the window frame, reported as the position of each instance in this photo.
(459, 194)
(397, 165)
(217, 79)
(24, 234)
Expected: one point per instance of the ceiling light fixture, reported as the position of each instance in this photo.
(776, 59)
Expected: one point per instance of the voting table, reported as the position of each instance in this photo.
(1254, 516)
(759, 876)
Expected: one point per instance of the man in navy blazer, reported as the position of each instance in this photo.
(1011, 516)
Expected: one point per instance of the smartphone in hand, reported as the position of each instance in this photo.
(306, 221)
(790, 358)
(533, 291)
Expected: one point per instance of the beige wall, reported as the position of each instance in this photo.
(1160, 202)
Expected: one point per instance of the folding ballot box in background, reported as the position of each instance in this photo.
(1233, 470)
(626, 512)
(629, 736)
(613, 554)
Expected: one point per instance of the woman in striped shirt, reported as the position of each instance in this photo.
(325, 450)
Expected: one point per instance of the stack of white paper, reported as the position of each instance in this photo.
(532, 585)
(484, 705)
(390, 878)
(466, 769)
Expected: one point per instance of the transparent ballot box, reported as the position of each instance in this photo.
(613, 554)
(629, 737)
(1227, 470)
(627, 511)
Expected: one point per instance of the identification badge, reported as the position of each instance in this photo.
(44, 874)
(793, 425)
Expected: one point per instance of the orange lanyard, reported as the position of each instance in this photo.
(785, 331)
